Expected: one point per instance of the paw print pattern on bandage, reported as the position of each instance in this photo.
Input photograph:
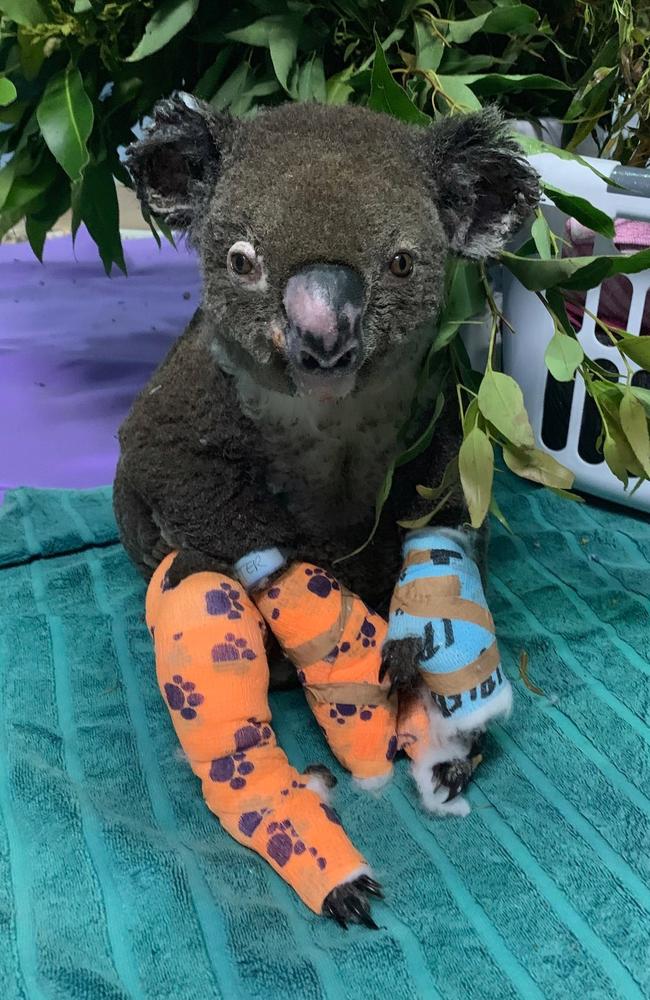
(234, 767)
(284, 842)
(181, 697)
(321, 583)
(341, 712)
(367, 634)
(273, 594)
(232, 649)
(344, 647)
(224, 601)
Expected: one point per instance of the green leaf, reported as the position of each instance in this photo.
(636, 348)
(7, 174)
(206, 86)
(581, 209)
(429, 48)
(635, 426)
(476, 467)
(573, 272)
(458, 95)
(387, 95)
(98, 209)
(170, 18)
(531, 145)
(492, 84)
(643, 395)
(500, 400)
(8, 92)
(498, 21)
(232, 88)
(496, 511)
(283, 44)
(617, 451)
(563, 355)
(424, 440)
(538, 467)
(36, 232)
(540, 233)
(338, 90)
(28, 12)
(65, 116)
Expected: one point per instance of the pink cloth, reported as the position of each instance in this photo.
(616, 293)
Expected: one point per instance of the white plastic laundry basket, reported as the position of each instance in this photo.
(564, 418)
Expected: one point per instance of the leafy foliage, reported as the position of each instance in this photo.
(78, 76)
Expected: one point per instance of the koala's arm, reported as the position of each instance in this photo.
(191, 474)
(401, 656)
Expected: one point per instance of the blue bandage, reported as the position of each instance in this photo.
(254, 567)
(439, 599)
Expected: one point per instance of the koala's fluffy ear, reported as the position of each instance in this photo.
(483, 185)
(176, 164)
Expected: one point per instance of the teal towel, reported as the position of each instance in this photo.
(116, 882)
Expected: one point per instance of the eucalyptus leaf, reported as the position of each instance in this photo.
(538, 467)
(498, 21)
(500, 400)
(387, 95)
(532, 145)
(492, 84)
(429, 48)
(8, 92)
(573, 272)
(635, 427)
(458, 95)
(98, 209)
(637, 349)
(643, 395)
(337, 88)
(496, 511)
(581, 209)
(27, 12)
(283, 45)
(170, 18)
(563, 356)
(476, 467)
(540, 233)
(65, 116)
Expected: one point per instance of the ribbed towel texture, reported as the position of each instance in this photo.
(116, 882)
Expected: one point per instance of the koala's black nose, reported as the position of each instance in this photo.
(324, 305)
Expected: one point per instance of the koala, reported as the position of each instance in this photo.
(322, 235)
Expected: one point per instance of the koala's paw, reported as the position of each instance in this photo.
(349, 903)
(400, 659)
(455, 775)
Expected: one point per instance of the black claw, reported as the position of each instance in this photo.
(361, 913)
(349, 902)
(382, 670)
(370, 885)
(331, 911)
(454, 775)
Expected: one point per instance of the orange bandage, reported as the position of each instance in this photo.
(335, 642)
(213, 673)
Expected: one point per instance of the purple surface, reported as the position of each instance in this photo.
(76, 347)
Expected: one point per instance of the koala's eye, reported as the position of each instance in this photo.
(241, 258)
(401, 265)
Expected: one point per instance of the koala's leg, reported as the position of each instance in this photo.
(441, 635)
(335, 642)
(213, 673)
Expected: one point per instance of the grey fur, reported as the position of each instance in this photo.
(219, 455)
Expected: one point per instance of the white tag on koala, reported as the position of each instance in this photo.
(256, 566)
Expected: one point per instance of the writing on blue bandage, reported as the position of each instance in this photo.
(439, 599)
(254, 567)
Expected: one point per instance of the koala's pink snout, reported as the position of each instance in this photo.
(324, 306)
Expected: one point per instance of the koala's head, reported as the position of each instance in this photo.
(323, 232)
